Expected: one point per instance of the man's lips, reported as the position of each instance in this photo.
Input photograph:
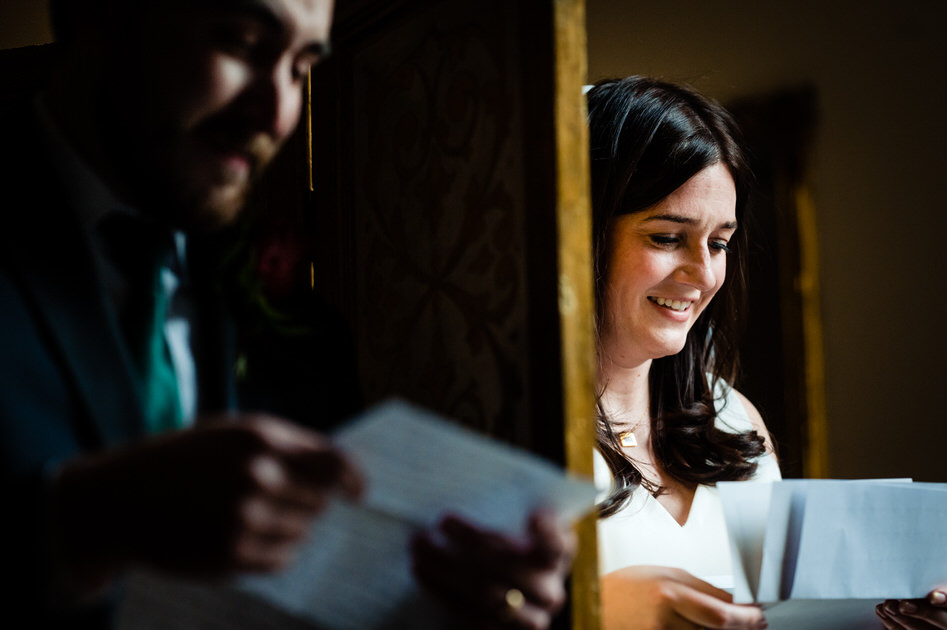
(248, 155)
(238, 161)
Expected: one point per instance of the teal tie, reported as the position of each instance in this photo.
(162, 401)
(141, 252)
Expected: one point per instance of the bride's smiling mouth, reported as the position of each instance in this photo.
(675, 305)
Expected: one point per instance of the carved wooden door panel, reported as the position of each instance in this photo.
(450, 213)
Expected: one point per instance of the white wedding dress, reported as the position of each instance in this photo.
(643, 532)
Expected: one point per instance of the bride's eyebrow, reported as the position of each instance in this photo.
(677, 218)
(673, 218)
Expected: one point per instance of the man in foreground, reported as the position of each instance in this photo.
(121, 445)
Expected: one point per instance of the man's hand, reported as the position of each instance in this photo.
(235, 494)
(641, 597)
(915, 614)
(494, 581)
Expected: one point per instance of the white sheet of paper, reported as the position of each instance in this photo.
(419, 466)
(787, 510)
(746, 510)
(826, 552)
(783, 527)
(872, 540)
(355, 572)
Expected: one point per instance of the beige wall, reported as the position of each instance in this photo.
(879, 72)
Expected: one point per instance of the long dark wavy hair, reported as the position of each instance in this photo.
(648, 137)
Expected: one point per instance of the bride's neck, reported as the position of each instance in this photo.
(625, 391)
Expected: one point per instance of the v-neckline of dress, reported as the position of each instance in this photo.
(690, 511)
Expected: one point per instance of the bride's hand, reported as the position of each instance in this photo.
(639, 597)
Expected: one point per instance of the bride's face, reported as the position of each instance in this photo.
(666, 265)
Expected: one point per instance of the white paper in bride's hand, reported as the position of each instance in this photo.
(746, 512)
(355, 570)
(822, 553)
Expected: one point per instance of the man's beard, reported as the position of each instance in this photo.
(177, 188)
(215, 202)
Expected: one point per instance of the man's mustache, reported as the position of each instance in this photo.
(260, 148)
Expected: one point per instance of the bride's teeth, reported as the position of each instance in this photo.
(674, 305)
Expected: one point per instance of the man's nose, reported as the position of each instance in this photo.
(276, 101)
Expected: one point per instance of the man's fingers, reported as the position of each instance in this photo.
(486, 603)
(476, 541)
(483, 567)
(546, 589)
(327, 469)
(311, 459)
(503, 561)
(917, 614)
(886, 620)
(273, 518)
(262, 554)
(436, 566)
(551, 544)
(282, 435)
(547, 545)
(514, 610)
(248, 511)
(306, 479)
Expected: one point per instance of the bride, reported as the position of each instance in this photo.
(669, 187)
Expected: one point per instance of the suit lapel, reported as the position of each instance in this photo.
(52, 257)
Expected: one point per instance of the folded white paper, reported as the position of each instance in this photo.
(822, 553)
(355, 571)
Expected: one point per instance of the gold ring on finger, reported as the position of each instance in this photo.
(514, 598)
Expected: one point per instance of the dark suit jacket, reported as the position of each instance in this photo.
(65, 383)
(65, 372)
